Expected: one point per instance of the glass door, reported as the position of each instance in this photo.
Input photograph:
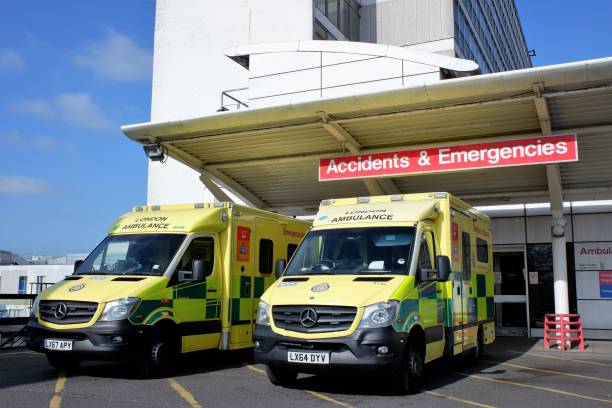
(511, 300)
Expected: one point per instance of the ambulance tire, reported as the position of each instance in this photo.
(63, 362)
(157, 356)
(280, 377)
(476, 352)
(409, 374)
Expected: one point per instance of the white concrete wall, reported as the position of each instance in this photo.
(190, 70)
(407, 22)
(292, 77)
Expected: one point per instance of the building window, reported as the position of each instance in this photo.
(22, 286)
(482, 250)
(342, 14)
(266, 254)
(40, 281)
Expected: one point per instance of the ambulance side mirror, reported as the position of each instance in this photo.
(443, 267)
(76, 265)
(198, 270)
(279, 268)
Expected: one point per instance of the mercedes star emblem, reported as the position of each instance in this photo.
(309, 317)
(61, 310)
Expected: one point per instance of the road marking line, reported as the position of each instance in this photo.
(558, 358)
(182, 391)
(313, 393)
(56, 400)
(328, 399)
(253, 368)
(537, 387)
(545, 370)
(16, 353)
(450, 397)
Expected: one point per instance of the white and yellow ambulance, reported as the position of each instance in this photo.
(166, 280)
(384, 283)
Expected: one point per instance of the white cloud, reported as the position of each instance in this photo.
(37, 142)
(79, 110)
(75, 109)
(35, 107)
(117, 58)
(10, 60)
(20, 185)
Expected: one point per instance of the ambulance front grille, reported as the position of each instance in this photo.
(327, 318)
(73, 312)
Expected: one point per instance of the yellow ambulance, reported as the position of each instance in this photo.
(384, 283)
(166, 280)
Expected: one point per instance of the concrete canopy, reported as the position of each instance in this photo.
(270, 155)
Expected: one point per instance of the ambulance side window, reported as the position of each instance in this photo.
(482, 250)
(467, 255)
(266, 255)
(426, 252)
(290, 250)
(200, 248)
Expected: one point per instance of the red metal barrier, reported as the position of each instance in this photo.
(564, 328)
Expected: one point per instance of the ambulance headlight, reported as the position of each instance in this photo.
(118, 309)
(263, 313)
(379, 314)
(34, 312)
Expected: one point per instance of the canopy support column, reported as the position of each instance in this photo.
(214, 188)
(558, 225)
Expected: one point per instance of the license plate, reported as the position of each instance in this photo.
(59, 345)
(307, 357)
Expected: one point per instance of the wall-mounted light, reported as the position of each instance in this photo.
(156, 152)
(558, 228)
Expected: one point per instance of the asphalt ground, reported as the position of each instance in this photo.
(513, 372)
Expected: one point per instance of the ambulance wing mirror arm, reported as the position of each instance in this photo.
(77, 264)
(198, 270)
(279, 268)
(443, 267)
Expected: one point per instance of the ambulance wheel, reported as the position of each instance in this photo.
(409, 374)
(63, 362)
(283, 378)
(157, 356)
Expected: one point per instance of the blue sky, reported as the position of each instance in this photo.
(73, 71)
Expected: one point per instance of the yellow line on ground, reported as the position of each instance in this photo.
(182, 391)
(313, 393)
(450, 397)
(558, 358)
(537, 387)
(328, 399)
(56, 400)
(545, 370)
(253, 368)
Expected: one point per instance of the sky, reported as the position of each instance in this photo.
(73, 71)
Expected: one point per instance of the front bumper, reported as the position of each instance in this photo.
(356, 351)
(94, 342)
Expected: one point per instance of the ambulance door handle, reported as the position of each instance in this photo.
(470, 290)
(247, 287)
(459, 290)
(212, 290)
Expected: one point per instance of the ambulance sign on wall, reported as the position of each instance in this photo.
(512, 152)
(595, 258)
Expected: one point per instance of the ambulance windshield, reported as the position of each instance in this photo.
(384, 250)
(133, 254)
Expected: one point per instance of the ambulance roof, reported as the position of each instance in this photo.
(400, 208)
(184, 218)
